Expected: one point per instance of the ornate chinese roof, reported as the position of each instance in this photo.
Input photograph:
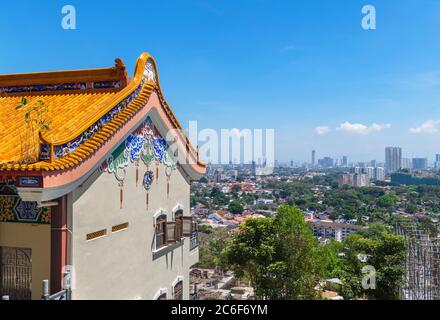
(87, 109)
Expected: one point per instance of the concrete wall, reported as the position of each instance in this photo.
(121, 265)
(36, 238)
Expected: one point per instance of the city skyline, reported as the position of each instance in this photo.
(320, 156)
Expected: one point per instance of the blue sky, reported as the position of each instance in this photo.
(288, 65)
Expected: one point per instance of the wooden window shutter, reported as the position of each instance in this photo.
(171, 232)
(179, 228)
(187, 226)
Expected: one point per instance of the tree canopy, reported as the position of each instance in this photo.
(280, 256)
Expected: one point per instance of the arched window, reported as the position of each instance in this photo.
(161, 231)
(178, 290)
(161, 294)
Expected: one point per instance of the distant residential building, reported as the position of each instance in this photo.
(369, 171)
(332, 230)
(344, 162)
(360, 180)
(374, 163)
(346, 180)
(357, 170)
(393, 159)
(219, 175)
(313, 158)
(357, 180)
(379, 174)
(406, 163)
(362, 164)
(420, 163)
(326, 162)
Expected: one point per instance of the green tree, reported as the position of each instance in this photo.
(236, 189)
(211, 244)
(387, 201)
(385, 251)
(235, 207)
(279, 255)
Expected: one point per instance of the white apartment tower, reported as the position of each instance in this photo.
(393, 159)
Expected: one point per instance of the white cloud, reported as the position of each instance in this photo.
(322, 130)
(358, 128)
(430, 126)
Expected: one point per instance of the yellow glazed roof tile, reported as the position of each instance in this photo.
(66, 111)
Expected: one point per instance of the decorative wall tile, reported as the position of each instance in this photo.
(144, 144)
(13, 209)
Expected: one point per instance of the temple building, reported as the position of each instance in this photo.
(95, 174)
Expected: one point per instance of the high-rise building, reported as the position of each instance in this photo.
(357, 170)
(326, 162)
(362, 164)
(254, 168)
(437, 161)
(353, 180)
(369, 171)
(420, 163)
(313, 158)
(406, 163)
(346, 180)
(379, 174)
(393, 159)
(344, 162)
(360, 180)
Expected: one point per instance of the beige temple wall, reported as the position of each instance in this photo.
(36, 238)
(121, 265)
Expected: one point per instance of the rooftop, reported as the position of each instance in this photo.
(86, 109)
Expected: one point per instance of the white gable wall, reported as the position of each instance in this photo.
(121, 265)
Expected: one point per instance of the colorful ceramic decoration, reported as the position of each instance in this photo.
(44, 87)
(144, 144)
(148, 180)
(62, 87)
(13, 209)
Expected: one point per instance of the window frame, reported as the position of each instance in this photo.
(160, 225)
